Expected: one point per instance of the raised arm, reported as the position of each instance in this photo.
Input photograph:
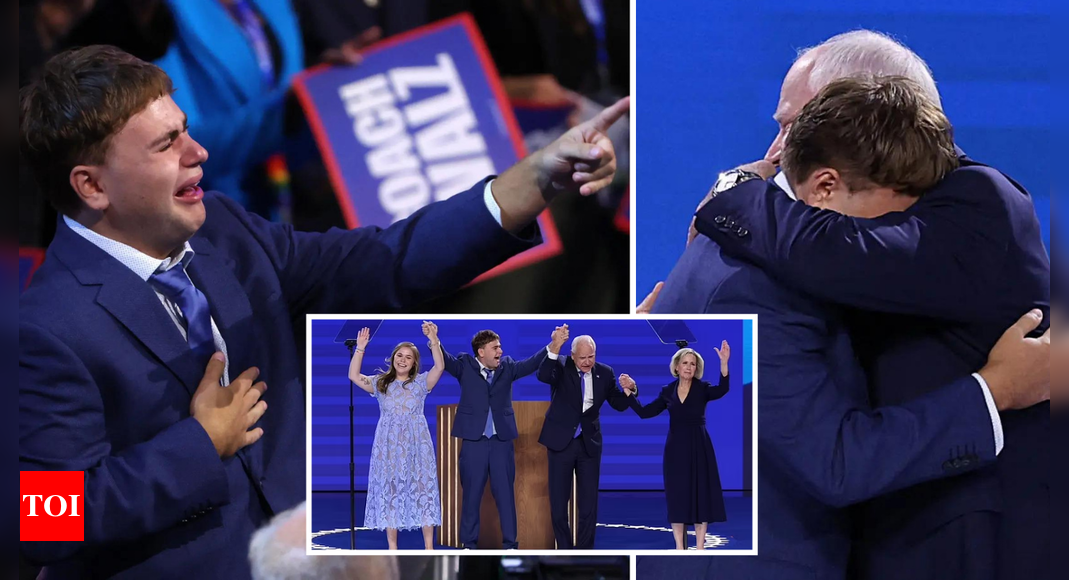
(713, 393)
(364, 382)
(532, 363)
(550, 370)
(452, 363)
(949, 244)
(430, 330)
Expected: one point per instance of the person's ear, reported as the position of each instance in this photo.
(86, 182)
(825, 183)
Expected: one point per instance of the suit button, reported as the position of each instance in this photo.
(185, 521)
(719, 219)
(742, 232)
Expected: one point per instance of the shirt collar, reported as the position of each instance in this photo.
(782, 183)
(142, 264)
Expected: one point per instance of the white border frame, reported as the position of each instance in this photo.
(548, 317)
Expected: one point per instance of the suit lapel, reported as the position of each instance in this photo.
(131, 301)
(575, 389)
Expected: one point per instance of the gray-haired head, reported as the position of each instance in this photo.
(866, 53)
(858, 53)
(277, 552)
(584, 353)
(583, 339)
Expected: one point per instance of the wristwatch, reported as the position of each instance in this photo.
(731, 178)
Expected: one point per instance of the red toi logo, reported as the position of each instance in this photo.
(52, 506)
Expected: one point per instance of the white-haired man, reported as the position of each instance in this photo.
(572, 432)
(927, 290)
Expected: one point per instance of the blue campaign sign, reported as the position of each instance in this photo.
(422, 118)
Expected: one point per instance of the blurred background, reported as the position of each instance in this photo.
(561, 61)
(709, 75)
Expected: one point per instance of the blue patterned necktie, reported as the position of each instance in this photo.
(176, 286)
(488, 432)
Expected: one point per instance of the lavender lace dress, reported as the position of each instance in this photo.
(402, 483)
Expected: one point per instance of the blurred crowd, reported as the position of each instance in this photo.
(233, 63)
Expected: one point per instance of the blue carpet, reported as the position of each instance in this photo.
(626, 521)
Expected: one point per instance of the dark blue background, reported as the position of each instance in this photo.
(633, 447)
(709, 74)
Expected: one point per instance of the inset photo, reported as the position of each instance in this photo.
(606, 434)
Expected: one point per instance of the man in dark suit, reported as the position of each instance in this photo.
(149, 279)
(572, 433)
(821, 444)
(930, 286)
(487, 424)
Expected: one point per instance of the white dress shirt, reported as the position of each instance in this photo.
(491, 203)
(588, 384)
(145, 266)
(996, 421)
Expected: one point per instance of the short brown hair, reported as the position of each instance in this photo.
(481, 339)
(879, 131)
(68, 115)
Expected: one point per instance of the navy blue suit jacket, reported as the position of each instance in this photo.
(933, 288)
(566, 403)
(476, 397)
(105, 378)
(820, 445)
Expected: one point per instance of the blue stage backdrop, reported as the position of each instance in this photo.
(633, 446)
(709, 74)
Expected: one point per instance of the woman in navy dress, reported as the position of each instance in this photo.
(691, 478)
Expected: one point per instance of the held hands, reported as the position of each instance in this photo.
(628, 385)
(558, 338)
(582, 159)
(1018, 369)
(430, 330)
(228, 413)
(363, 338)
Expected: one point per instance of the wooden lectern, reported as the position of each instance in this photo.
(534, 524)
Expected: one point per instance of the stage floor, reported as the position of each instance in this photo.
(627, 521)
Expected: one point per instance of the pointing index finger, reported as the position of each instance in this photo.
(611, 115)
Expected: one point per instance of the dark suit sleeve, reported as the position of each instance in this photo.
(130, 493)
(531, 364)
(549, 371)
(436, 250)
(617, 399)
(713, 393)
(654, 408)
(948, 244)
(825, 437)
(452, 364)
